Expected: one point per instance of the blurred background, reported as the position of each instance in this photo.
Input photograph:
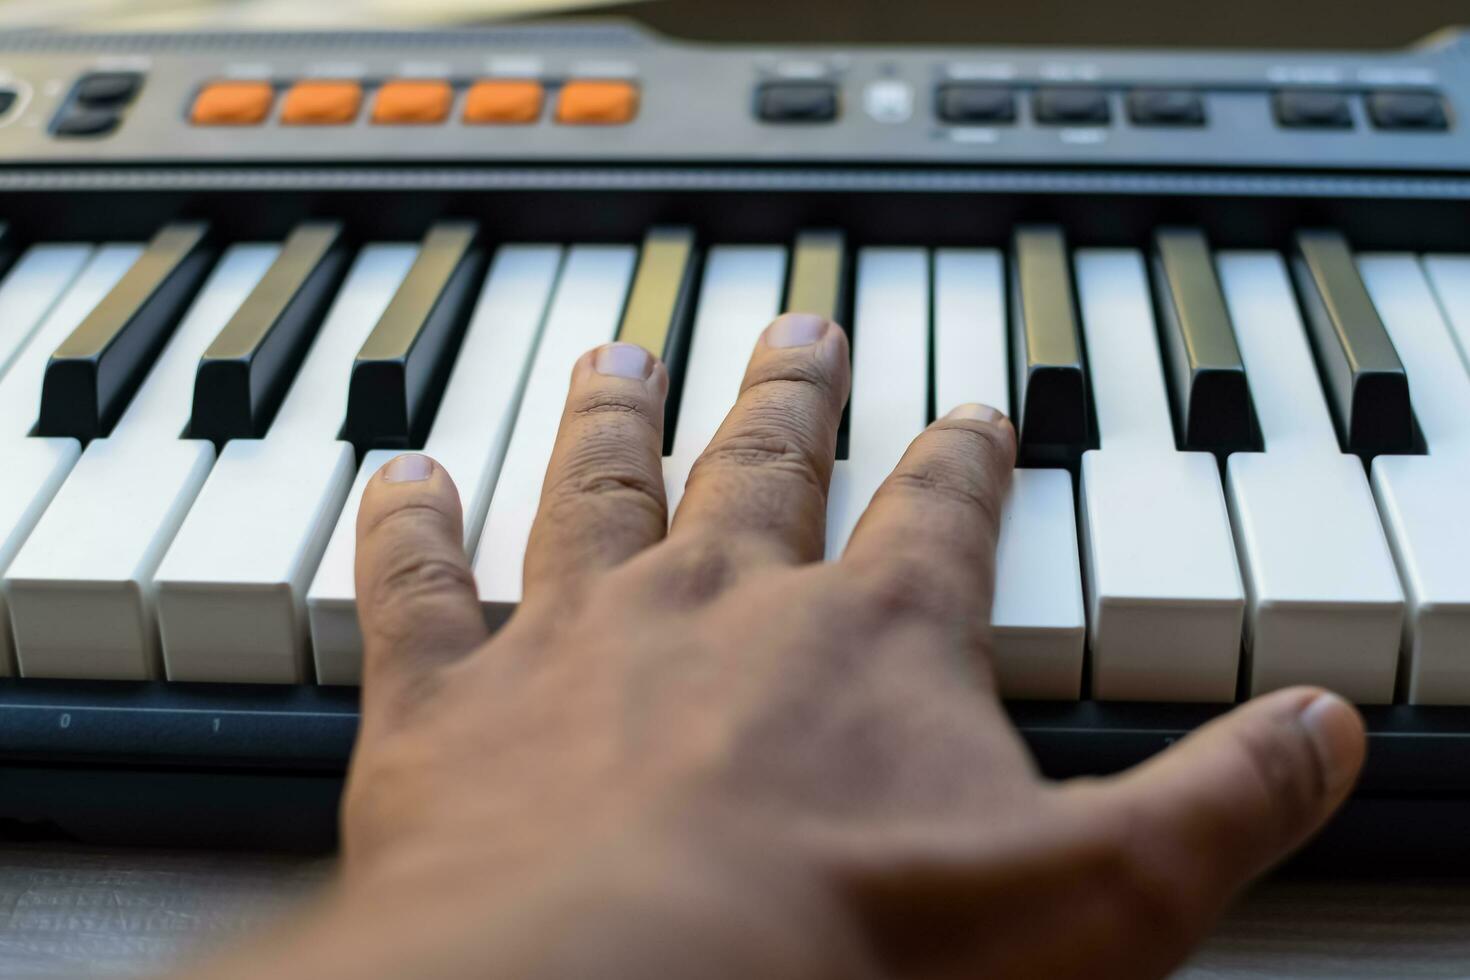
(1203, 23)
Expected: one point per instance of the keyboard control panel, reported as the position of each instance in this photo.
(613, 93)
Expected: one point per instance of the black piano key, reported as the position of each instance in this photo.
(1053, 421)
(1365, 382)
(9, 246)
(1207, 380)
(96, 370)
(660, 309)
(247, 369)
(399, 374)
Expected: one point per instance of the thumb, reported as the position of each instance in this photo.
(1235, 797)
(416, 597)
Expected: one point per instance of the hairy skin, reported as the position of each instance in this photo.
(706, 753)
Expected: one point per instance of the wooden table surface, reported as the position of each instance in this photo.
(88, 912)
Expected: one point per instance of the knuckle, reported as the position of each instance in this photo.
(413, 593)
(769, 447)
(594, 485)
(694, 568)
(615, 471)
(793, 373)
(936, 480)
(905, 586)
(410, 524)
(415, 578)
(988, 444)
(609, 407)
(968, 461)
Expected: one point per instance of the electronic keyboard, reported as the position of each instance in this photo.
(1225, 298)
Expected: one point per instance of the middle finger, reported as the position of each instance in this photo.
(762, 483)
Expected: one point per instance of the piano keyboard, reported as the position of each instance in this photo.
(1234, 340)
(1204, 558)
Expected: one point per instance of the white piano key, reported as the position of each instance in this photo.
(468, 438)
(1324, 604)
(31, 288)
(232, 586)
(315, 406)
(585, 311)
(1164, 595)
(81, 590)
(970, 359)
(890, 381)
(740, 296)
(35, 468)
(1450, 277)
(1037, 615)
(1422, 498)
(20, 389)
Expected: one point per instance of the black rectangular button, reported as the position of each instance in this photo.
(1069, 105)
(1407, 110)
(1361, 372)
(1211, 399)
(248, 367)
(80, 120)
(399, 374)
(1166, 107)
(95, 370)
(975, 104)
(796, 102)
(1046, 349)
(660, 307)
(108, 88)
(1307, 108)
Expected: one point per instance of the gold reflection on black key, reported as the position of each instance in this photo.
(95, 371)
(818, 282)
(660, 291)
(1046, 348)
(1207, 380)
(399, 374)
(1361, 372)
(660, 309)
(248, 367)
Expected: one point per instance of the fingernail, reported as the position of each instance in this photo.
(623, 361)
(1337, 735)
(796, 330)
(975, 412)
(408, 468)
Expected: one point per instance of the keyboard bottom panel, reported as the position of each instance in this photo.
(246, 766)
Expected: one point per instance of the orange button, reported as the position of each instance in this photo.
(503, 101)
(321, 103)
(412, 102)
(232, 104)
(597, 103)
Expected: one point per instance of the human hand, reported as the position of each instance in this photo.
(704, 752)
